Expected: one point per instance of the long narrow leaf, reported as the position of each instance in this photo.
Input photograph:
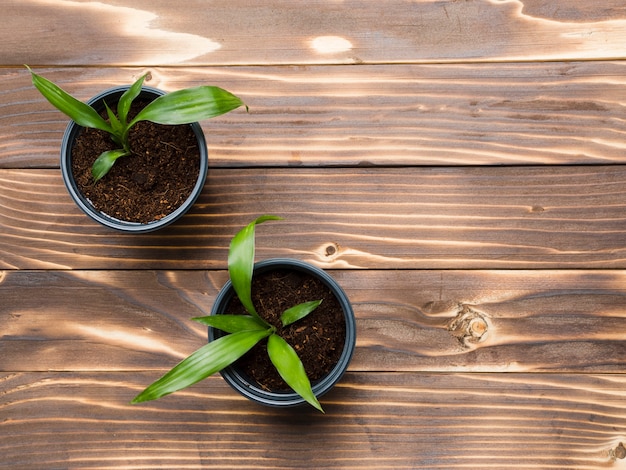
(232, 323)
(290, 368)
(294, 314)
(117, 129)
(126, 100)
(241, 262)
(81, 113)
(189, 105)
(206, 361)
(105, 161)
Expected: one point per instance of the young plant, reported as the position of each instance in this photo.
(244, 331)
(179, 107)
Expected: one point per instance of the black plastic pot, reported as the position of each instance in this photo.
(250, 389)
(112, 96)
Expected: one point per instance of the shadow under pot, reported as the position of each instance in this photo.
(324, 340)
(147, 190)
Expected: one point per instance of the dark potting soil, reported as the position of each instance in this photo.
(318, 338)
(146, 186)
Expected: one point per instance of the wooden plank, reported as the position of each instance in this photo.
(464, 183)
(488, 114)
(373, 420)
(307, 32)
(439, 321)
(384, 218)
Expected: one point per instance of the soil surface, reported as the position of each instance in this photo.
(318, 338)
(146, 186)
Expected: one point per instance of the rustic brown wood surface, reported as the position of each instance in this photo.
(458, 167)
(409, 320)
(409, 218)
(434, 114)
(309, 31)
(378, 420)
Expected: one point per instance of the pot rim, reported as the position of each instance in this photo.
(71, 132)
(249, 388)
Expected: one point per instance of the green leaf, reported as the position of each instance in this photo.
(232, 323)
(241, 262)
(126, 100)
(116, 126)
(105, 161)
(290, 368)
(189, 105)
(204, 362)
(293, 314)
(81, 113)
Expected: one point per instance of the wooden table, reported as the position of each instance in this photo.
(458, 166)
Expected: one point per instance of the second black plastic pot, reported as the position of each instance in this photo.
(250, 389)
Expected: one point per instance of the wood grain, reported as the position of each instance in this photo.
(383, 218)
(439, 321)
(481, 114)
(377, 420)
(459, 168)
(239, 32)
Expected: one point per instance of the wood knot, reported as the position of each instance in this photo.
(331, 250)
(328, 252)
(619, 452)
(469, 326)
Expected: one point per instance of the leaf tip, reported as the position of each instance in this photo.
(316, 404)
(97, 174)
(137, 399)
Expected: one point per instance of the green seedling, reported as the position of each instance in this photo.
(179, 107)
(243, 332)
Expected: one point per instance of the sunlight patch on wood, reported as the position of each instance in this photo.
(167, 47)
(576, 39)
(129, 340)
(330, 44)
